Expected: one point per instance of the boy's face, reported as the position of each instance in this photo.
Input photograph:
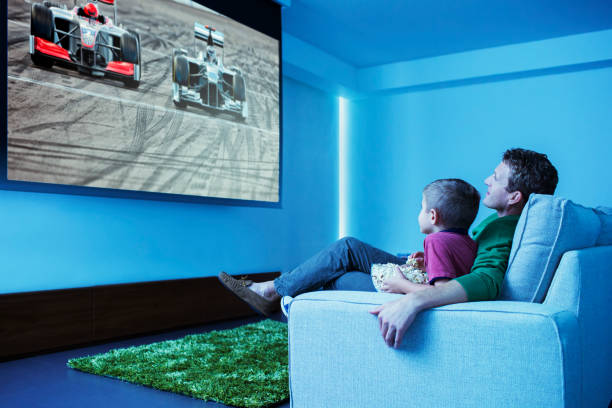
(425, 222)
(497, 196)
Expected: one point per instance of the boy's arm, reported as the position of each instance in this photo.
(440, 281)
(401, 285)
(398, 283)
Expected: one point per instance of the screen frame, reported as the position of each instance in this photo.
(261, 15)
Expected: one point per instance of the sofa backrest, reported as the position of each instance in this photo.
(548, 227)
(605, 216)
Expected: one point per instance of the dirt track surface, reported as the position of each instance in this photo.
(70, 128)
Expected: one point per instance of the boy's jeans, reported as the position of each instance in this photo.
(327, 269)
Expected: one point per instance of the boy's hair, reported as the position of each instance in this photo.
(456, 201)
(530, 172)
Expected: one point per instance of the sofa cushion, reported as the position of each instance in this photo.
(548, 227)
(605, 216)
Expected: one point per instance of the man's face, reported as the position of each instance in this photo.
(497, 196)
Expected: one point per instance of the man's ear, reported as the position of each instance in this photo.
(434, 216)
(515, 198)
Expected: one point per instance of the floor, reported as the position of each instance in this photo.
(46, 381)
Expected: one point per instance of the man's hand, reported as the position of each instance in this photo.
(394, 318)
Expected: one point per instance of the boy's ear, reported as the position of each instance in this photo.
(434, 216)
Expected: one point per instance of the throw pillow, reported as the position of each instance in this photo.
(548, 227)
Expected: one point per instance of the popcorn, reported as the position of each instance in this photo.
(410, 270)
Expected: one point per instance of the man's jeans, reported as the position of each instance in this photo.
(345, 264)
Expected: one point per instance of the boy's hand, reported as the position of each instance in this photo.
(420, 258)
(395, 283)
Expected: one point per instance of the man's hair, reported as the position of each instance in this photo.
(455, 200)
(530, 172)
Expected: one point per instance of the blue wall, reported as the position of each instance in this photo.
(52, 241)
(407, 124)
(401, 142)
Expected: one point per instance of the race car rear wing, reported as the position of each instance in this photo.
(208, 34)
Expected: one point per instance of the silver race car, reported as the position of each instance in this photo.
(84, 39)
(203, 80)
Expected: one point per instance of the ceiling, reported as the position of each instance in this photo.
(367, 32)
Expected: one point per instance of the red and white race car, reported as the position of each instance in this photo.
(84, 39)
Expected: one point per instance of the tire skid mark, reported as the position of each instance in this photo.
(45, 146)
(64, 124)
(122, 165)
(126, 101)
(173, 133)
(62, 154)
(139, 140)
(17, 40)
(216, 182)
(195, 165)
(243, 175)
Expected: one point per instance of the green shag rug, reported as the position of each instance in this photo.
(245, 367)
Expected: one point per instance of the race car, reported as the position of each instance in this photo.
(84, 39)
(203, 80)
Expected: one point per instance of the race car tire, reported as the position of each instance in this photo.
(176, 96)
(180, 104)
(244, 111)
(180, 70)
(239, 88)
(51, 4)
(129, 48)
(41, 23)
(135, 34)
(131, 83)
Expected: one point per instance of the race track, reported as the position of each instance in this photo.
(70, 128)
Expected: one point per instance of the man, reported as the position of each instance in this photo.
(520, 173)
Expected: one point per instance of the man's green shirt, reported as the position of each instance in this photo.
(494, 237)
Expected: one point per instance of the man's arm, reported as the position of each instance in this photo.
(483, 283)
(395, 317)
(487, 275)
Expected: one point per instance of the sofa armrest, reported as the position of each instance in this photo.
(490, 353)
(582, 285)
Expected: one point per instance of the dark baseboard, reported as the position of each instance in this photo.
(38, 322)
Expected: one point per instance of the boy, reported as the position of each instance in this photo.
(448, 208)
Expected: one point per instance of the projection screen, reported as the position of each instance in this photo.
(159, 96)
